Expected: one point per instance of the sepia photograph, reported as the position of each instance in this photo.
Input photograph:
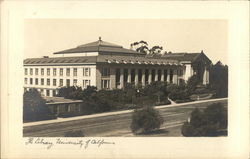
(125, 78)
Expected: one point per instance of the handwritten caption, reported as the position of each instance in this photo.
(49, 143)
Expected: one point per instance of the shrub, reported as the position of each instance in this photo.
(34, 107)
(74, 133)
(210, 122)
(145, 120)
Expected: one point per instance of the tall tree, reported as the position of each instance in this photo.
(219, 79)
(34, 107)
(141, 46)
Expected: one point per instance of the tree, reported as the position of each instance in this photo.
(210, 122)
(145, 120)
(155, 50)
(72, 92)
(219, 79)
(141, 46)
(34, 107)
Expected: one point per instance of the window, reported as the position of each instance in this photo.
(31, 71)
(54, 71)
(31, 81)
(61, 71)
(86, 71)
(48, 82)
(42, 81)
(86, 83)
(48, 71)
(36, 81)
(47, 92)
(36, 71)
(105, 72)
(26, 71)
(61, 82)
(25, 80)
(54, 93)
(68, 72)
(75, 82)
(105, 84)
(75, 72)
(54, 82)
(42, 71)
(68, 82)
(42, 91)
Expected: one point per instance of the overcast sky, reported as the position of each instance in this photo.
(43, 37)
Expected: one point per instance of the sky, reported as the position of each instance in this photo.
(42, 37)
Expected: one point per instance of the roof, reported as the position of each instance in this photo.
(182, 56)
(58, 100)
(97, 59)
(98, 46)
(60, 60)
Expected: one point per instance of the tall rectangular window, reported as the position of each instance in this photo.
(42, 71)
(61, 71)
(86, 83)
(48, 82)
(26, 71)
(61, 82)
(105, 84)
(75, 82)
(54, 82)
(48, 71)
(31, 81)
(68, 82)
(54, 71)
(36, 81)
(47, 92)
(86, 71)
(42, 81)
(105, 72)
(31, 71)
(36, 71)
(75, 72)
(68, 72)
(25, 80)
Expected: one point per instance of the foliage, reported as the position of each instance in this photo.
(145, 120)
(142, 46)
(72, 92)
(206, 123)
(74, 133)
(34, 107)
(219, 80)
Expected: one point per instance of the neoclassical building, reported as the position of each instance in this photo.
(110, 66)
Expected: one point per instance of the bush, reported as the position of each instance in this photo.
(74, 133)
(210, 122)
(34, 107)
(145, 120)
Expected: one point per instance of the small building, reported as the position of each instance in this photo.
(60, 105)
(110, 66)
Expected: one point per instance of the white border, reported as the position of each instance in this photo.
(236, 145)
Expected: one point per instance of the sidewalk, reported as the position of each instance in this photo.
(113, 113)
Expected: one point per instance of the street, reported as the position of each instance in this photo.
(118, 125)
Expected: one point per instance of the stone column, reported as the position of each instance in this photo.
(143, 77)
(121, 78)
(149, 76)
(136, 77)
(168, 75)
(129, 76)
(98, 78)
(112, 78)
(156, 75)
(175, 77)
(162, 75)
